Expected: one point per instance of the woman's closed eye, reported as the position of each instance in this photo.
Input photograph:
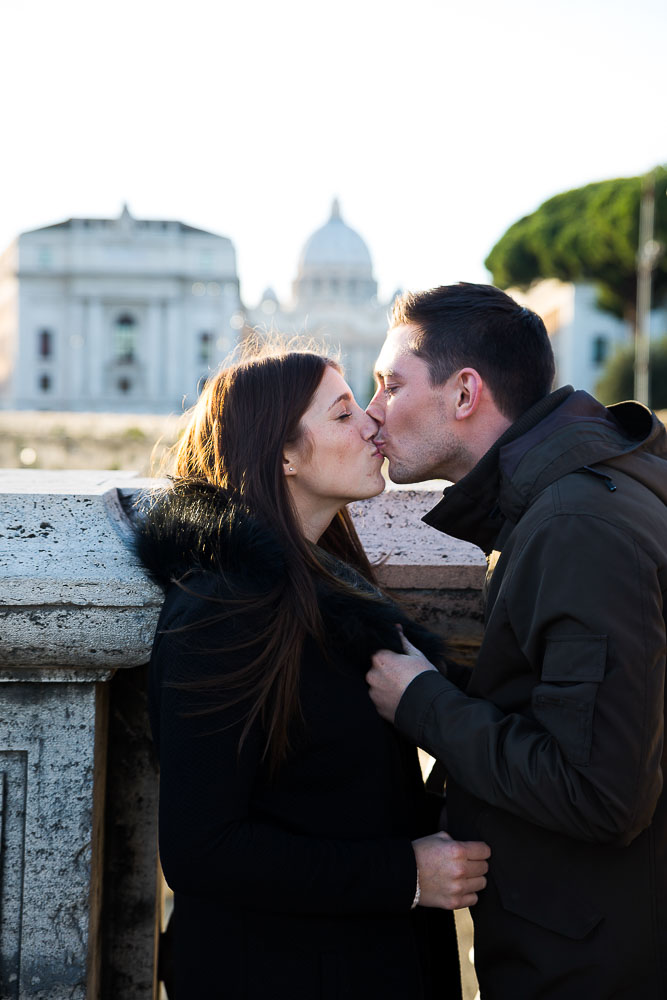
(344, 416)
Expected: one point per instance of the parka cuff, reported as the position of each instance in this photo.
(416, 702)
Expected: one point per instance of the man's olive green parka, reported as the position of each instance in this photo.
(555, 753)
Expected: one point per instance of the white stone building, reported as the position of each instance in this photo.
(583, 336)
(334, 298)
(114, 314)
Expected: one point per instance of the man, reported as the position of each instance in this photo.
(555, 753)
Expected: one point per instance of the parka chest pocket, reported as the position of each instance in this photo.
(564, 703)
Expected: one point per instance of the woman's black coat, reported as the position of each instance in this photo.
(300, 885)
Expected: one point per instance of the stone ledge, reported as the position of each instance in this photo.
(410, 554)
(72, 593)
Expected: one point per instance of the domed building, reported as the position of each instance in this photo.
(334, 298)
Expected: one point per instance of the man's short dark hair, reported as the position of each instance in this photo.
(478, 326)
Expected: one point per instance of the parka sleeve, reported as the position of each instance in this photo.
(213, 843)
(585, 759)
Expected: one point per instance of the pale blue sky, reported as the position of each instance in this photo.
(437, 124)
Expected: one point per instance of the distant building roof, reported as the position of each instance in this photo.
(125, 219)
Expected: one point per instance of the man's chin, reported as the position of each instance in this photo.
(402, 476)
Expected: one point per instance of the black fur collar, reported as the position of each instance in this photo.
(197, 528)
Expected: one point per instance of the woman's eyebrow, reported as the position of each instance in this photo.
(343, 395)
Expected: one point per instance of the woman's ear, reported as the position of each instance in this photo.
(288, 466)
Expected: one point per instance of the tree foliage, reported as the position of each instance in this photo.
(589, 234)
(617, 380)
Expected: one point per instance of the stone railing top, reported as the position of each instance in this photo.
(73, 595)
(410, 553)
(64, 540)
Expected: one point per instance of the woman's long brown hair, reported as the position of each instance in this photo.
(235, 440)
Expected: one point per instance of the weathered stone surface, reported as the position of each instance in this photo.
(50, 752)
(132, 888)
(456, 615)
(71, 591)
(410, 554)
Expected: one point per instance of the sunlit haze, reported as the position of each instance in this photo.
(436, 124)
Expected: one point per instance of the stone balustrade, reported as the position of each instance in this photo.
(79, 881)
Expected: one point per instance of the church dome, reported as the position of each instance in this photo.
(335, 264)
(336, 245)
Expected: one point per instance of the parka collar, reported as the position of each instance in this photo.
(565, 431)
(469, 509)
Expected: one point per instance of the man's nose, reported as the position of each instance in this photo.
(375, 409)
(370, 427)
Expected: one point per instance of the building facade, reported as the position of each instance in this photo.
(130, 315)
(114, 315)
(583, 336)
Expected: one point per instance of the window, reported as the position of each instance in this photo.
(45, 343)
(125, 337)
(124, 385)
(600, 349)
(44, 257)
(45, 383)
(205, 347)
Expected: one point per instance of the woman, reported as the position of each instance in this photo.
(287, 806)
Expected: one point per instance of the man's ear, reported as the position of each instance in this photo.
(469, 387)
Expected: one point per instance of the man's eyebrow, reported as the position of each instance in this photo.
(385, 373)
(343, 395)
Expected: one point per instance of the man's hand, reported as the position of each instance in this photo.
(451, 872)
(390, 675)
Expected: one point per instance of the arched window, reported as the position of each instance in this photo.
(205, 347)
(45, 343)
(600, 349)
(125, 337)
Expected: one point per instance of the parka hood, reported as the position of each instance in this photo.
(565, 432)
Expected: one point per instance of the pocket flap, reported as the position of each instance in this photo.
(538, 876)
(564, 913)
(574, 658)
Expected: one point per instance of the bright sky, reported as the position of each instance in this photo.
(436, 123)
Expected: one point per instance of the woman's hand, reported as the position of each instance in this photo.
(451, 872)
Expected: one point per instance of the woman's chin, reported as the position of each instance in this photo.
(378, 487)
(372, 491)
